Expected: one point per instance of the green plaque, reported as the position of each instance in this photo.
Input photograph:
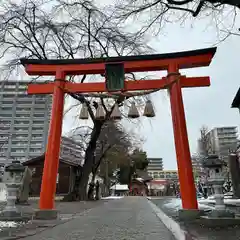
(114, 74)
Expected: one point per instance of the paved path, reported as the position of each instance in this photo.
(67, 211)
(130, 218)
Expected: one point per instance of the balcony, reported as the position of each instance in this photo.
(9, 95)
(23, 124)
(42, 119)
(16, 154)
(18, 145)
(18, 138)
(38, 124)
(6, 115)
(7, 106)
(35, 154)
(37, 132)
(22, 132)
(16, 141)
(37, 138)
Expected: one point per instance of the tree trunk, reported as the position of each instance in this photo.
(235, 174)
(81, 182)
(91, 187)
(89, 160)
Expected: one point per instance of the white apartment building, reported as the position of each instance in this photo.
(221, 140)
(155, 167)
(24, 122)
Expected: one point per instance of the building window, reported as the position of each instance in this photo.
(38, 122)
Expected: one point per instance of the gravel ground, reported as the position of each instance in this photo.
(130, 218)
(196, 230)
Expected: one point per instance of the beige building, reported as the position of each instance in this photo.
(166, 174)
(221, 140)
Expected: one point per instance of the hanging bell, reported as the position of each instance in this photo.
(84, 112)
(100, 113)
(133, 112)
(116, 114)
(149, 111)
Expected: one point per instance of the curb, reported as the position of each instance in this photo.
(170, 224)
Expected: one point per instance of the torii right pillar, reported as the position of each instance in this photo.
(188, 191)
(185, 172)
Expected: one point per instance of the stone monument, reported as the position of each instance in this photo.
(13, 174)
(216, 179)
(23, 193)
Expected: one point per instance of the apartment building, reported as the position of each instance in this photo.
(221, 140)
(155, 165)
(24, 122)
(166, 175)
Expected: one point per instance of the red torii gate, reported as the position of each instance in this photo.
(171, 62)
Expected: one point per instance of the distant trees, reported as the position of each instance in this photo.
(137, 160)
(204, 142)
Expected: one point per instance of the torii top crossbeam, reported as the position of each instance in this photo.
(140, 63)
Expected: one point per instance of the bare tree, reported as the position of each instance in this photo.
(112, 145)
(63, 29)
(204, 142)
(112, 138)
(159, 12)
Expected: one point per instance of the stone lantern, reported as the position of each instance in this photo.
(216, 179)
(13, 175)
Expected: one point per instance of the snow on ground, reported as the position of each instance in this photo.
(112, 197)
(176, 203)
(226, 201)
(7, 225)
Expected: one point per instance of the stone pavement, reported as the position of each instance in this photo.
(67, 211)
(130, 218)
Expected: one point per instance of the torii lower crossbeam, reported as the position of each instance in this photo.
(138, 85)
(174, 82)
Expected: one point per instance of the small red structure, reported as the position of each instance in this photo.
(174, 81)
(138, 188)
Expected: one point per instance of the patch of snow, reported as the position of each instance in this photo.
(112, 197)
(120, 187)
(226, 201)
(7, 224)
(211, 197)
(177, 204)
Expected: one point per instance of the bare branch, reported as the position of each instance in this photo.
(160, 12)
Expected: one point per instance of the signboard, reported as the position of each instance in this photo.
(115, 76)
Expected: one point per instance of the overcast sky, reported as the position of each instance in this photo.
(209, 106)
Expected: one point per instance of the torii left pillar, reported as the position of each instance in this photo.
(47, 195)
